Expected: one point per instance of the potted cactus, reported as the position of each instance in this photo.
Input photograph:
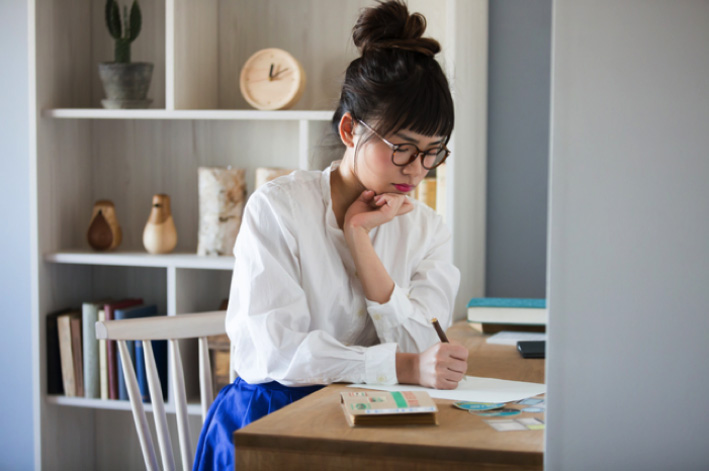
(126, 83)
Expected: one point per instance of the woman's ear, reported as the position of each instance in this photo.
(346, 129)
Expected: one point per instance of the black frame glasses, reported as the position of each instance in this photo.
(418, 152)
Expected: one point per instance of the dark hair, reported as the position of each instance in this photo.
(396, 83)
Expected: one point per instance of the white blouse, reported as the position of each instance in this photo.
(297, 313)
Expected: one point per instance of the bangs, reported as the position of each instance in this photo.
(427, 111)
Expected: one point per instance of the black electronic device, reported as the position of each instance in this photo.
(532, 348)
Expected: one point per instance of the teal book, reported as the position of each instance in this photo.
(508, 302)
(513, 311)
(134, 312)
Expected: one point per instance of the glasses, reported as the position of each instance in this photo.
(403, 154)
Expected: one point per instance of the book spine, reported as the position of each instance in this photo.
(132, 312)
(67, 358)
(122, 388)
(111, 359)
(111, 349)
(160, 354)
(140, 371)
(54, 362)
(89, 317)
(102, 362)
(76, 350)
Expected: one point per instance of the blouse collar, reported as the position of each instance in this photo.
(327, 194)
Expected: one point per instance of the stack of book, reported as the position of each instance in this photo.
(79, 365)
(520, 314)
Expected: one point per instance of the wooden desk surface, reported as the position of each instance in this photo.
(313, 433)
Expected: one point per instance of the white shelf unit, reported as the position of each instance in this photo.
(192, 409)
(141, 259)
(80, 153)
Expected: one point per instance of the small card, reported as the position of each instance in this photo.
(512, 425)
(506, 425)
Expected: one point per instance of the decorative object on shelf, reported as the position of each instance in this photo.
(126, 83)
(160, 235)
(266, 174)
(222, 194)
(104, 231)
(272, 79)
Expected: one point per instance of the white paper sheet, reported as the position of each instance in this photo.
(472, 388)
(511, 338)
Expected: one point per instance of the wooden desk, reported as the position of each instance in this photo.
(312, 434)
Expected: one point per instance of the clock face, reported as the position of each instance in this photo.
(272, 79)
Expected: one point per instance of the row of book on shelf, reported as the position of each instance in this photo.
(79, 365)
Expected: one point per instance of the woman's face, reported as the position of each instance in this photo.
(374, 166)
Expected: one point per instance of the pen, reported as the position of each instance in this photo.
(439, 331)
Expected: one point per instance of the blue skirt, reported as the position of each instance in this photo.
(237, 405)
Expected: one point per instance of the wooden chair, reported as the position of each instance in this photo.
(171, 328)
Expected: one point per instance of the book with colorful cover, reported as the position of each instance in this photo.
(367, 407)
(515, 311)
(111, 351)
(134, 312)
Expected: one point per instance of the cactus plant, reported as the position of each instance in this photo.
(125, 31)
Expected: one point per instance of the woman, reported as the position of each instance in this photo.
(338, 273)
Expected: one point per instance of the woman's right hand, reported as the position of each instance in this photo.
(443, 366)
(369, 210)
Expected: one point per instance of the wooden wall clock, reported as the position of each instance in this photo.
(272, 79)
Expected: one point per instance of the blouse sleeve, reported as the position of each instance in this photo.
(268, 319)
(406, 318)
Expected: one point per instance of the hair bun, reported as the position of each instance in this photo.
(389, 25)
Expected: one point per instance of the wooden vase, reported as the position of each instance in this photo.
(160, 235)
(104, 231)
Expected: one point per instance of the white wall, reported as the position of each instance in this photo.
(16, 422)
(628, 368)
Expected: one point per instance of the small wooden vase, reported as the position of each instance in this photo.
(104, 232)
(160, 235)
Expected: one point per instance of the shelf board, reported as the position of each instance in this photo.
(104, 404)
(252, 115)
(142, 259)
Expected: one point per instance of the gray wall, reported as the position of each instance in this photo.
(16, 424)
(518, 148)
(628, 369)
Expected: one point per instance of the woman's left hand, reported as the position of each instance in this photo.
(370, 210)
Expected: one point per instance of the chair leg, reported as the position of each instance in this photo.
(205, 377)
(178, 387)
(136, 403)
(168, 459)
